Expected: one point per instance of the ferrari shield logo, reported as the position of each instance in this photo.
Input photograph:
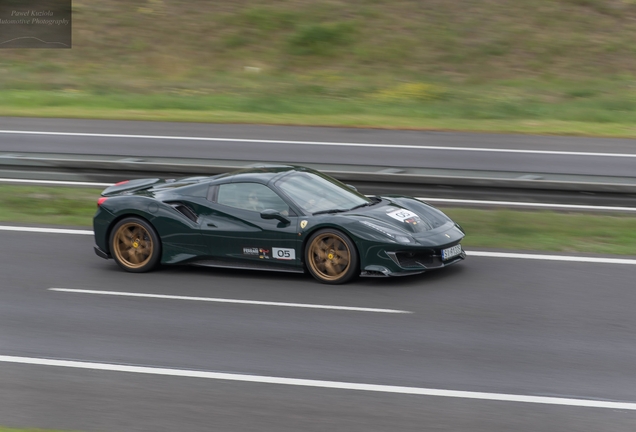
(303, 224)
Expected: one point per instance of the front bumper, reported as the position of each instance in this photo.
(406, 262)
(426, 261)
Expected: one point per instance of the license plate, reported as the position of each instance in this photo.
(451, 252)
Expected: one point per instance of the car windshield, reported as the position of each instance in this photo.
(315, 193)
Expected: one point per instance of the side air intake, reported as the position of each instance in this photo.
(184, 210)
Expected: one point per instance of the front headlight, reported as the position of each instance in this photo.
(392, 234)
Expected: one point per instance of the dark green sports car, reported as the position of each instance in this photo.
(272, 217)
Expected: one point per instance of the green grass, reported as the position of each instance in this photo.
(603, 108)
(547, 231)
(506, 229)
(547, 127)
(48, 205)
(540, 66)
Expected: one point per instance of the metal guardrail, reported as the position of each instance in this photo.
(28, 165)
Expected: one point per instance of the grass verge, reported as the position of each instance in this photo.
(594, 108)
(547, 231)
(542, 66)
(506, 229)
(48, 205)
(379, 121)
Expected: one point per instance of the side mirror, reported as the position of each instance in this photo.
(274, 214)
(352, 187)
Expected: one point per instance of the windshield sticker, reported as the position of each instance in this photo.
(412, 221)
(284, 253)
(403, 215)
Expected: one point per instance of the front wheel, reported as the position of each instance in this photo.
(331, 257)
(135, 245)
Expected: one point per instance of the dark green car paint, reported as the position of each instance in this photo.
(235, 235)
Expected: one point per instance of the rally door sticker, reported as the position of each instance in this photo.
(284, 253)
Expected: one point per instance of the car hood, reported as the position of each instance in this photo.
(406, 215)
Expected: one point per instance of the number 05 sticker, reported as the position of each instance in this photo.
(283, 253)
(402, 214)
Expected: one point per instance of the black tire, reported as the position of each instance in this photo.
(331, 257)
(135, 245)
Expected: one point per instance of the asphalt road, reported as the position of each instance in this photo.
(487, 325)
(278, 151)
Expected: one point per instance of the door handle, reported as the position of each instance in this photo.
(211, 225)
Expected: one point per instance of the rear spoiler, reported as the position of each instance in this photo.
(130, 185)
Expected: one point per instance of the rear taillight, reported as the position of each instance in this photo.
(122, 182)
(101, 201)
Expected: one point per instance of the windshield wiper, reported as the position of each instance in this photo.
(374, 199)
(360, 206)
(329, 211)
(344, 210)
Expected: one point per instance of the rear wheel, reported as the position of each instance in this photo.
(331, 257)
(135, 245)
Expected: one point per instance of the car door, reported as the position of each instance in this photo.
(234, 229)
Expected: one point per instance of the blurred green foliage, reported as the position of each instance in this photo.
(547, 231)
(503, 60)
(321, 39)
(48, 205)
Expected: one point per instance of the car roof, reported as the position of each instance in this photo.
(261, 173)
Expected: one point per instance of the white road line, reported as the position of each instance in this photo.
(578, 259)
(570, 258)
(221, 300)
(320, 143)
(528, 204)
(45, 230)
(339, 385)
(54, 182)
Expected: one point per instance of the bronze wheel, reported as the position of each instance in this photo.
(331, 257)
(134, 245)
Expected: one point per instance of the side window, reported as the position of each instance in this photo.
(250, 196)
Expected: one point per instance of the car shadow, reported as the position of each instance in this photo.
(426, 279)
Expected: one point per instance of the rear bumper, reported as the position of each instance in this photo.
(100, 253)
